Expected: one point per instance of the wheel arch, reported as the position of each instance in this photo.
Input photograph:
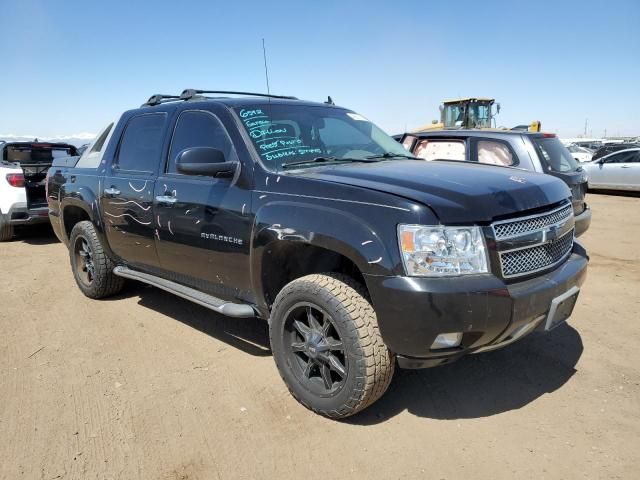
(292, 240)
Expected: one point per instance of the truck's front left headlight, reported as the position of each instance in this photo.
(436, 251)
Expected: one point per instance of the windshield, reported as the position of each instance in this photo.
(291, 134)
(36, 153)
(555, 155)
(478, 115)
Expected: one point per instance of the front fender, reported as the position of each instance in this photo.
(321, 226)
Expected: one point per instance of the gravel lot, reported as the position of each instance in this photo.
(149, 386)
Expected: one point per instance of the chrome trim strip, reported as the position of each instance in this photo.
(531, 217)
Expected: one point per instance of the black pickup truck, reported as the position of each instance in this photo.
(308, 216)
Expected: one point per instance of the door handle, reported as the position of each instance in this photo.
(111, 191)
(168, 199)
(625, 166)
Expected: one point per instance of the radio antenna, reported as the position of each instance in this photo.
(266, 70)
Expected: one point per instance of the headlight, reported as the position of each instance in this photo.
(435, 251)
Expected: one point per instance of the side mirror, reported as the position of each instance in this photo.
(497, 108)
(206, 161)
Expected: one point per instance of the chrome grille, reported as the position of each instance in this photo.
(520, 226)
(539, 257)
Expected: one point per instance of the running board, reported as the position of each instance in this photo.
(226, 308)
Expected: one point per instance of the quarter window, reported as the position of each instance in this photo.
(441, 150)
(141, 143)
(199, 129)
(494, 153)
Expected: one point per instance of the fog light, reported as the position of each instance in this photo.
(447, 340)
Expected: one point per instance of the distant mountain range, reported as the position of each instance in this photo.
(76, 139)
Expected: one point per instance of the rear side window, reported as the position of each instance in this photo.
(441, 150)
(199, 129)
(554, 154)
(495, 153)
(141, 143)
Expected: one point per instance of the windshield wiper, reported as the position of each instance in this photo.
(392, 155)
(326, 160)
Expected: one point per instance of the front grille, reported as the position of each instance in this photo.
(520, 226)
(539, 257)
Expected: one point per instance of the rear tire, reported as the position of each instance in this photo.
(327, 346)
(92, 268)
(6, 229)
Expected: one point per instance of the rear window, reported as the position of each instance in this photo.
(441, 150)
(554, 154)
(34, 153)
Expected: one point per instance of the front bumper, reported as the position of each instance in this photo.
(583, 221)
(413, 311)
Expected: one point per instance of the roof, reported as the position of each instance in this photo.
(484, 132)
(470, 99)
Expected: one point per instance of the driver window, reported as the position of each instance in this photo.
(622, 157)
(199, 129)
(441, 150)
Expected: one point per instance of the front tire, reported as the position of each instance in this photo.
(92, 267)
(6, 229)
(327, 346)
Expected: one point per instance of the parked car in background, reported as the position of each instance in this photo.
(612, 147)
(616, 171)
(307, 215)
(23, 169)
(581, 154)
(536, 152)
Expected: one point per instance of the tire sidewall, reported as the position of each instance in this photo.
(85, 230)
(308, 293)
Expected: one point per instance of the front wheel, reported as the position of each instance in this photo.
(327, 346)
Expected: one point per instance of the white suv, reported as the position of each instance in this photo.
(23, 171)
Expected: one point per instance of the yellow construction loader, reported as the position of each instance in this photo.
(471, 113)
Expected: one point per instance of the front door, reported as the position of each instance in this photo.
(613, 170)
(204, 223)
(128, 188)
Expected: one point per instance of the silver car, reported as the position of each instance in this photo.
(616, 171)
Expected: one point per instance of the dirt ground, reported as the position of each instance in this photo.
(150, 386)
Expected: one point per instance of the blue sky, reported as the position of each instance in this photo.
(70, 66)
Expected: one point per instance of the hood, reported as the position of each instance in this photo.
(457, 192)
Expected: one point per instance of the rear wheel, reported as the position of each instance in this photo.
(327, 346)
(92, 267)
(6, 229)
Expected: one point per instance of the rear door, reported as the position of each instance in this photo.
(127, 190)
(204, 223)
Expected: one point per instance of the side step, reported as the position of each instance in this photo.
(207, 301)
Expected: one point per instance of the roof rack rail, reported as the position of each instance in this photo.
(159, 98)
(190, 93)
